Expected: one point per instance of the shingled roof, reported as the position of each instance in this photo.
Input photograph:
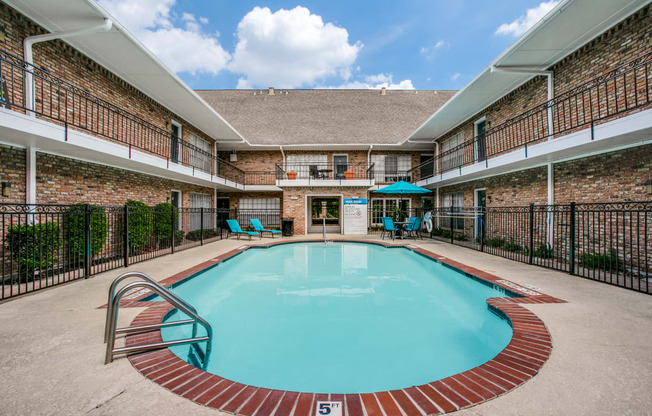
(293, 117)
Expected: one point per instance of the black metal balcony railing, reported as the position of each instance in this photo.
(64, 103)
(325, 171)
(621, 90)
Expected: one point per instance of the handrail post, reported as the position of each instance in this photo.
(572, 238)
(173, 228)
(87, 241)
(531, 255)
(125, 236)
(201, 226)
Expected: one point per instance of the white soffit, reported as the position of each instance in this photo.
(119, 52)
(567, 27)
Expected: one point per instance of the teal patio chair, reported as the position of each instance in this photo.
(259, 227)
(413, 227)
(234, 228)
(388, 226)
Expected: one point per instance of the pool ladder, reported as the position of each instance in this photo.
(147, 282)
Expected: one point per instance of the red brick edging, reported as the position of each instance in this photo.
(517, 363)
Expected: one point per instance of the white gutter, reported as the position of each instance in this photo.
(30, 40)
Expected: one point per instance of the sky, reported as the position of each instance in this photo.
(357, 44)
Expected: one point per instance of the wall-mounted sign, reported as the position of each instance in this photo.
(355, 216)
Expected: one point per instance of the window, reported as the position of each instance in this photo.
(452, 152)
(200, 201)
(200, 153)
(267, 210)
(453, 204)
(384, 207)
(306, 166)
(391, 168)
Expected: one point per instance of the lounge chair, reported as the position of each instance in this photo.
(388, 226)
(259, 227)
(413, 227)
(234, 228)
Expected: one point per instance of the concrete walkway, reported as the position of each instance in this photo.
(51, 350)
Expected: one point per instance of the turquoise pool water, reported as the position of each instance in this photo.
(341, 318)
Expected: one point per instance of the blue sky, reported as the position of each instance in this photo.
(422, 44)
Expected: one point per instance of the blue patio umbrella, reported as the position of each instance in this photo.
(402, 188)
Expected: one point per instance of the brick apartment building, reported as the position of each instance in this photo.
(89, 115)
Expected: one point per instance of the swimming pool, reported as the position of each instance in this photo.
(341, 318)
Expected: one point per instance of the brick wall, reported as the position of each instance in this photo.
(66, 181)
(12, 169)
(610, 177)
(614, 47)
(63, 61)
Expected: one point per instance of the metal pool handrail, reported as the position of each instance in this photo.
(172, 299)
(109, 303)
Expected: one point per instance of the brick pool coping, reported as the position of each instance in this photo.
(521, 360)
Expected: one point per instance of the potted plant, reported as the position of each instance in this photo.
(292, 175)
(349, 174)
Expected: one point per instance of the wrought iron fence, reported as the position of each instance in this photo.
(622, 90)
(323, 171)
(63, 103)
(46, 245)
(608, 242)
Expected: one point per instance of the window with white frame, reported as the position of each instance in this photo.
(384, 207)
(200, 153)
(453, 204)
(267, 210)
(452, 152)
(391, 168)
(306, 166)
(200, 201)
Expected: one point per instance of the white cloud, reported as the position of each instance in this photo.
(455, 76)
(375, 82)
(429, 51)
(290, 48)
(524, 22)
(182, 49)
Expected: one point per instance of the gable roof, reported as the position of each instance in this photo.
(325, 117)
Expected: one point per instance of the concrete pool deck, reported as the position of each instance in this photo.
(51, 349)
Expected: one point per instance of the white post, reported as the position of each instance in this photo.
(551, 201)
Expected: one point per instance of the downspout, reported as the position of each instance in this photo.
(282, 154)
(31, 40)
(371, 146)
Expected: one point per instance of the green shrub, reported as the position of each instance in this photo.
(512, 247)
(33, 246)
(602, 261)
(460, 237)
(437, 232)
(178, 237)
(544, 251)
(166, 219)
(495, 242)
(140, 226)
(446, 233)
(74, 230)
(195, 235)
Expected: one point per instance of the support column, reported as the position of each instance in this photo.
(551, 201)
(30, 176)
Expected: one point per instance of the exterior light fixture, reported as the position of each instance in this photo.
(233, 157)
(6, 188)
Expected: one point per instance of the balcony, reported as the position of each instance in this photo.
(325, 174)
(83, 117)
(615, 106)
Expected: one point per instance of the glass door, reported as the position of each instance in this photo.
(175, 137)
(340, 165)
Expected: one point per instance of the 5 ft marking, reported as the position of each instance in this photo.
(329, 408)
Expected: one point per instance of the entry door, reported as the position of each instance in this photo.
(222, 211)
(340, 163)
(324, 209)
(481, 207)
(480, 142)
(175, 137)
(429, 169)
(175, 200)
